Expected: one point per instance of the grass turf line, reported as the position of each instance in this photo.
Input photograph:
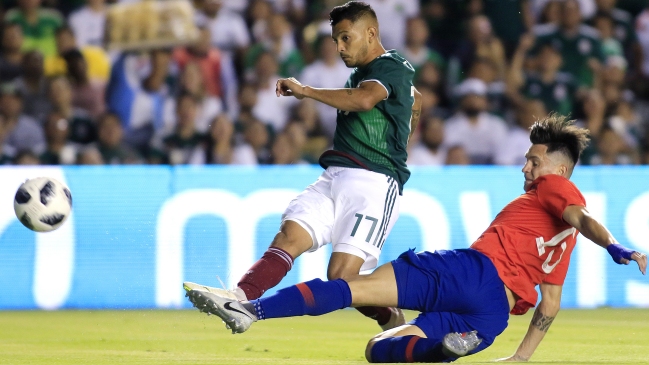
(602, 336)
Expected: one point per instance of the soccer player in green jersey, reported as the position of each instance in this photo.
(355, 202)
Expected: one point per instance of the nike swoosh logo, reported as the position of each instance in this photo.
(229, 307)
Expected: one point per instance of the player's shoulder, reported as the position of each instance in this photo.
(553, 182)
(392, 59)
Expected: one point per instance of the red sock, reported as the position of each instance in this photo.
(266, 273)
(380, 314)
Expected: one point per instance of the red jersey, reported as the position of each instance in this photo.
(529, 242)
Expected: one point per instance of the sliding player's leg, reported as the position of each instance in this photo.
(459, 292)
(315, 297)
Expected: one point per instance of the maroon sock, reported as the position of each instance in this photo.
(379, 314)
(266, 273)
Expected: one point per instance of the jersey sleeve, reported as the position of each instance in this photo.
(556, 193)
(389, 73)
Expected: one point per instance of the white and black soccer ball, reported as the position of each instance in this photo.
(42, 204)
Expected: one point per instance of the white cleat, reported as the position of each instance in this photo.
(397, 318)
(189, 286)
(459, 344)
(236, 317)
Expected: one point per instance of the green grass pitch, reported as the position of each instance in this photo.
(602, 336)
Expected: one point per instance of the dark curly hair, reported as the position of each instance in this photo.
(560, 134)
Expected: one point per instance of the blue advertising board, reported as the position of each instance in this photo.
(137, 232)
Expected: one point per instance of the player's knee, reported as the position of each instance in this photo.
(293, 239)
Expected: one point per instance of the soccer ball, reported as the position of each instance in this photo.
(42, 204)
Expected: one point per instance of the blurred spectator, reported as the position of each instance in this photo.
(97, 66)
(611, 150)
(429, 150)
(296, 132)
(510, 20)
(281, 44)
(193, 83)
(38, 25)
(185, 145)
(481, 43)
(623, 29)
(26, 157)
(89, 155)
(555, 89)
(328, 71)
(81, 127)
(456, 155)
(89, 23)
(87, 94)
(626, 122)
(477, 131)
(269, 108)
(208, 60)
(415, 49)
(247, 100)
(284, 152)
(486, 70)
(227, 28)
(7, 152)
(22, 131)
(447, 20)
(58, 151)
(33, 86)
(10, 53)
(221, 148)
(139, 101)
(256, 134)
(110, 142)
(512, 150)
(587, 8)
(393, 15)
(305, 121)
(605, 25)
(259, 13)
(579, 44)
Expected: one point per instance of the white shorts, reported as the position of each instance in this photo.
(354, 209)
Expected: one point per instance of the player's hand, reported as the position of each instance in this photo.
(513, 358)
(289, 87)
(641, 259)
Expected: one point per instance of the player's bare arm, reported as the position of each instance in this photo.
(416, 111)
(543, 317)
(362, 98)
(583, 221)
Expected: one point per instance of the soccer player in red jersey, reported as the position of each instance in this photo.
(465, 296)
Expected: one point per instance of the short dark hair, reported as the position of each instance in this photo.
(560, 134)
(351, 11)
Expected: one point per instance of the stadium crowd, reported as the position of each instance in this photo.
(485, 68)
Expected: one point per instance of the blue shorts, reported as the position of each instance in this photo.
(455, 291)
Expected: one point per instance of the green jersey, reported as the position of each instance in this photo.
(557, 96)
(575, 51)
(41, 35)
(376, 139)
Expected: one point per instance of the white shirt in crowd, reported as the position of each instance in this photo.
(88, 26)
(273, 110)
(319, 75)
(511, 151)
(479, 140)
(393, 16)
(419, 154)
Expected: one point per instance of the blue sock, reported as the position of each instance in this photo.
(311, 298)
(408, 349)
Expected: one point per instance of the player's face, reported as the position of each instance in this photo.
(539, 163)
(350, 42)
